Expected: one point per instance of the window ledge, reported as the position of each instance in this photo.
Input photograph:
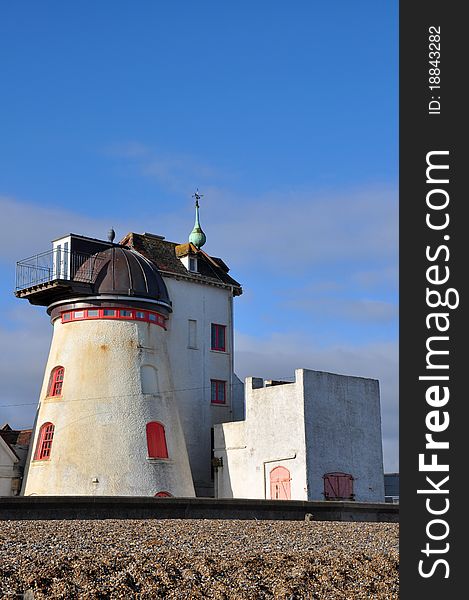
(219, 351)
(224, 404)
(159, 460)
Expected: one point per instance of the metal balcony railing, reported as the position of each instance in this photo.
(55, 265)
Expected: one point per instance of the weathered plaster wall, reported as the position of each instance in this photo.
(322, 423)
(272, 435)
(100, 418)
(343, 425)
(195, 364)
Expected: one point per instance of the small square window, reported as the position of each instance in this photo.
(79, 314)
(152, 317)
(93, 313)
(125, 313)
(109, 312)
(66, 317)
(139, 314)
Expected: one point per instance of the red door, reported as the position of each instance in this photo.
(280, 484)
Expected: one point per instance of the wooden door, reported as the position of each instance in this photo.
(280, 488)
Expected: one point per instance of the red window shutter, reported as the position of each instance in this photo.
(346, 487)
(44, 442)
(338, 486)
(156, 440)
(56, 382)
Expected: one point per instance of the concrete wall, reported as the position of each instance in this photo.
(36, 507)
(343, 432)
(322, 423)
(100, 419)
(272, 435)
(194, 364)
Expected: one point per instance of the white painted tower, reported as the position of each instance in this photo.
(107, 421)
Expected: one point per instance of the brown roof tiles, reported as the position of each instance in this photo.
(165, 255)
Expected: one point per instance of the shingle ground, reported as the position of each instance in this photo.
(180, 559)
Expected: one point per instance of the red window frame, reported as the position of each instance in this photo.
(217, 391)
(85, 314)
(56, 382)
(218, 337)
(156, 440)
(44, 442)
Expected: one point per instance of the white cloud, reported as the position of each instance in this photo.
(345, 308)
(27, 341)
(291, 228)
(378, 278)
(176, 172)
(294, 231)
(28, 228)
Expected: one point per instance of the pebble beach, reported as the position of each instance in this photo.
(179, 559)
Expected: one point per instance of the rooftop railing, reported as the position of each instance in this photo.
(55, 265)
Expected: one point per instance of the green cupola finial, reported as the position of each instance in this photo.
(197, 236)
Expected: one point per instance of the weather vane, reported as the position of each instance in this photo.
(197, 196)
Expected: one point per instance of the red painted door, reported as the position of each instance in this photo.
(280, 484)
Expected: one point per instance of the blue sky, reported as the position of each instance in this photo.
(283, 115)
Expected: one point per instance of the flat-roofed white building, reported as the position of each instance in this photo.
(318, 438)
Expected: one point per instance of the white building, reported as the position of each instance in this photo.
(140, 374)
(8, 468)
(140, 366)
(318, 438)
(14, 446)
(200, 344)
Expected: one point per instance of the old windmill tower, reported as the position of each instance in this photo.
(140, 366)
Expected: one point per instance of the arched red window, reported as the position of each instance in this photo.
(338, 486)
(156, 440)
(163, 495)
(56, 382)
(44, 442)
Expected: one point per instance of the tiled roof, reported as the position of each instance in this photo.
(165, 256)
(15, 437)
(24, 437)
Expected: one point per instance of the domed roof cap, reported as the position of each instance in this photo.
(197, 236)
(123, 271)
